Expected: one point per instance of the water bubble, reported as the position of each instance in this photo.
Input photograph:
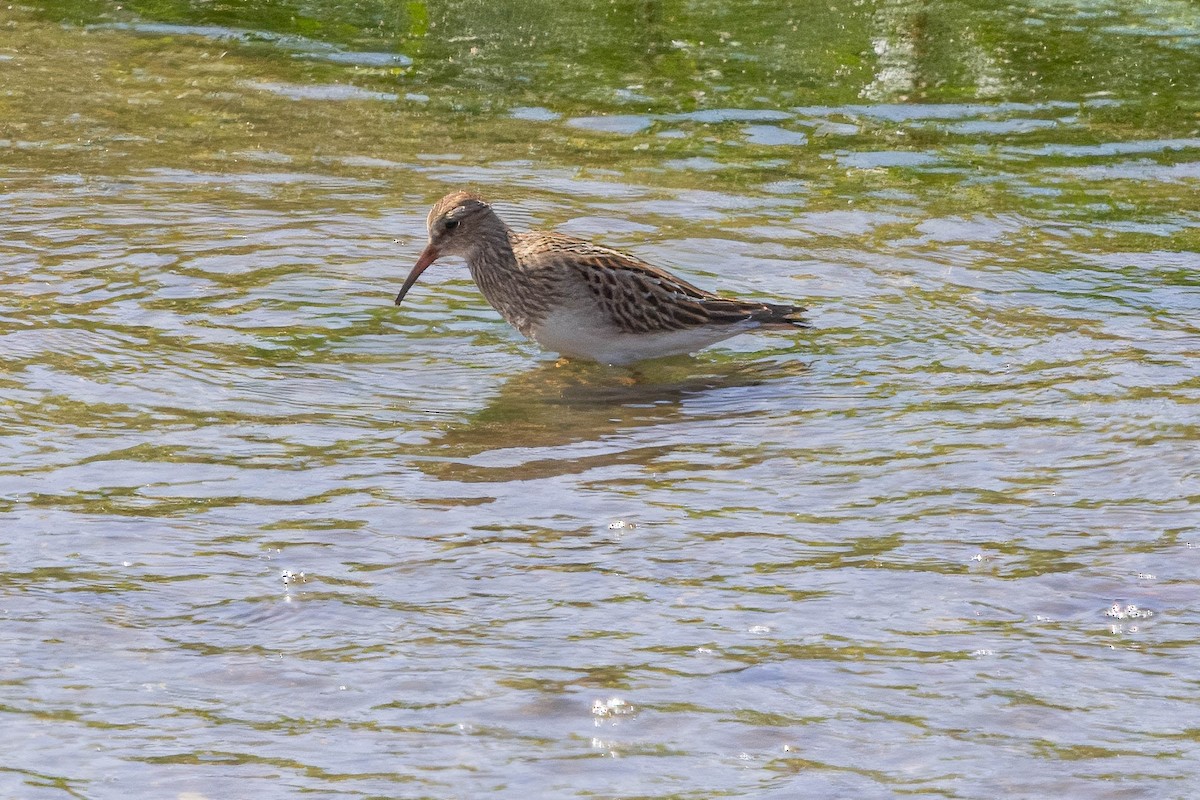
(1130, 611)
(290, 577)
(612, 707)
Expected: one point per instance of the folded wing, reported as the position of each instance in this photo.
(642, 298)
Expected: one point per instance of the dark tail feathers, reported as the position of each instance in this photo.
(780, 316)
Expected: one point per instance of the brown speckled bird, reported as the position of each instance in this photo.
(582, 300)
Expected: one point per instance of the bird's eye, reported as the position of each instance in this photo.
(451, 224)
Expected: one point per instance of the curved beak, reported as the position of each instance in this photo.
(428, 256)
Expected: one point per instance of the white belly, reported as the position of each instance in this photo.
(578, 336)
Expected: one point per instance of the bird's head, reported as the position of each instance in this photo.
(457, 224)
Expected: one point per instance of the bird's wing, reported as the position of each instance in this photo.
(642, 298)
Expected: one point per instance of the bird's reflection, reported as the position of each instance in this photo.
(535, 425)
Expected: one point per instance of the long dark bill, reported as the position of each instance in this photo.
(428, 256)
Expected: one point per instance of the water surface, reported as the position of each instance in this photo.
(266, 534)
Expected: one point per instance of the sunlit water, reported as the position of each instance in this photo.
(265, 534)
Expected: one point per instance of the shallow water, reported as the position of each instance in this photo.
(265, 534)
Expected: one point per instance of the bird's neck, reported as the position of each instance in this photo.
(492, 253)
(502, 280)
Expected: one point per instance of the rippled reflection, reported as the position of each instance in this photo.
(562, 418)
